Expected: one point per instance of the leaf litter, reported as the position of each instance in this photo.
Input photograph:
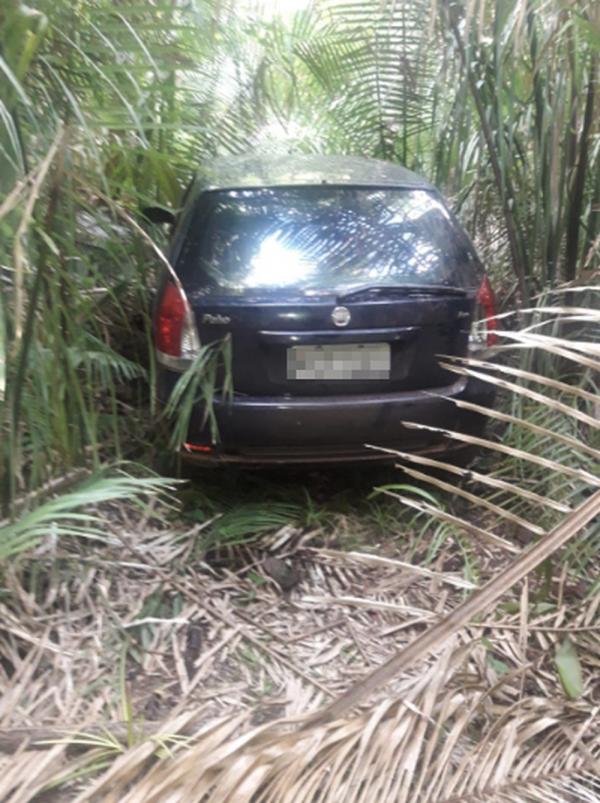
(228, 656)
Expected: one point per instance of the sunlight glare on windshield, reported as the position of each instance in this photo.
(277, 265)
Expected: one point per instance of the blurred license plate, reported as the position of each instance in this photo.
(345, 361)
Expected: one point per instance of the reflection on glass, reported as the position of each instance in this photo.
(327, 238)
(275, 264)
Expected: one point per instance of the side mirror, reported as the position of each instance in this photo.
(158, 214)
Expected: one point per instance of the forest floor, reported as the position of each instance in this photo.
(263, 595)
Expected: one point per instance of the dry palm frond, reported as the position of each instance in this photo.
(467, 526)
(419, 748)
(232, 744)
(514, 371)
(511, 451)
(473, 476)
(532, 394)
(477, 603)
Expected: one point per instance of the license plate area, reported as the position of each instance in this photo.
(344, 361)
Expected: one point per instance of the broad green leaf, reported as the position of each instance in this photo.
(569, 669)
(499, 667)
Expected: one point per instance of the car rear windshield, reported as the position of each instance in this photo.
(325, 238)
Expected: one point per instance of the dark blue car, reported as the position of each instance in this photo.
(341, 282)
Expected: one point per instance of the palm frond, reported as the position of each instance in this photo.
(60, 517)
(419, 748)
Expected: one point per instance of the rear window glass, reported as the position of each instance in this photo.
(325, 238)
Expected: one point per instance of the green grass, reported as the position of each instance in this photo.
(308, 498)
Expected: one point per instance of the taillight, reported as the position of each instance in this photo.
(486, 323)
(198, 447)
(175, 334)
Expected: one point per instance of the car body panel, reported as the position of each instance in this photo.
(246, 172)
(262, 333)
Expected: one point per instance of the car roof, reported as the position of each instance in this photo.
(239, 172)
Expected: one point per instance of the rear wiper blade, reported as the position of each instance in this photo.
(401, 289)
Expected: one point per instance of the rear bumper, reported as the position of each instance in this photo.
(335, 429)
